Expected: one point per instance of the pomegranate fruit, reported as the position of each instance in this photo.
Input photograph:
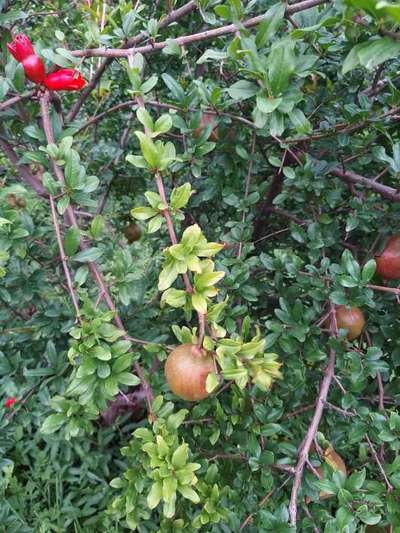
(186, 370)
(132, 232)
(350, 318)
(388, 263)
(205, 120)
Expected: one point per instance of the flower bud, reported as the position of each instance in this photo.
(65, 79)
(21, 47)
(34, 69)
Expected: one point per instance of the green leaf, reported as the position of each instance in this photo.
(174, 87)
(180, 196)
(174, 297)
(145, 118)
(126, 378)
(72, 240)
(72, 168)
(148, 85)
(267, 104)
(169, 488)
(191, 237)
(272, 20)
(368, 271)
(163, 124)
(242, 89)
(97, 226)
(371, 54)
(167, 276)
(155, 224)
(149, 150)
(63, 204)
(356, 480)
(281, 65)
(389, 9)
(199, 303)
(155, 495)
(211, 382)
(189, 493)
(180, 456)
(88, 255)
(137, 161)
(143, 213)
(378, 51)
(53, 423)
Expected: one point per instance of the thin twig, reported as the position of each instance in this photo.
(262, 502)
(13, 100)
(247, 187)
(64, 259)
(194, 38)
(313, 427)
(375, 456)
(44, 104)
(173, 16)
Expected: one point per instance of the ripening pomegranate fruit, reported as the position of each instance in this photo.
(205, 120)
(132, 232)
(350, 318)
(186, 370)
(388, 263)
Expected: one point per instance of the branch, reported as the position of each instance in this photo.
(313, 427)
(23, 170)
(196, 37)
(15, 99)
(44, 105)
(247, 186)
(389, 486)
(172, 17)
(152, 103)
(351, 177)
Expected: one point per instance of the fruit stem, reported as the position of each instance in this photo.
(202, 328)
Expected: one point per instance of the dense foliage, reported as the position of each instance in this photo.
(223, 181)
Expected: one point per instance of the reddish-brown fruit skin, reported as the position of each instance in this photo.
(350, 318)
(388, 263)
(186, 370)
(132, 233)
(205, 120)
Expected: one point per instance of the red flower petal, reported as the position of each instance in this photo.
(10, 402)
(21, 47)
(65, 79)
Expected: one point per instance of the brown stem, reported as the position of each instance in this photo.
(170, 225)
(389, 486)
(202, 329)
(263, 502)
(196, 37)
(313, 427)
(351, 177)
(64, 259)
(24, 171)
(247, 187)
(15, 99)
(44, 104)
(173, 16)
(392, 290)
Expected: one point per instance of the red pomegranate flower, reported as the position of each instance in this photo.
(10, 402)
(65, 79)
(21, 47)
(22, 50)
